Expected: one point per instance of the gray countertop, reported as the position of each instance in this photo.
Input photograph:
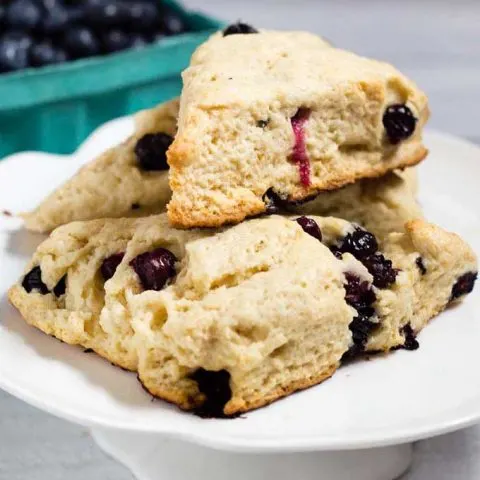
(437, 43)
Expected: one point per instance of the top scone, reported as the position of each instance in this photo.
(283, 114)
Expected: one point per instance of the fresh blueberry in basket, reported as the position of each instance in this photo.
(56, 19)
(137, 40)
(81, 42)
(14, 51)
(3, 14)
(171, 23)
(115, 40)
(50, 4)
(63, 30)
(142, 16)
(157, 37)
(108, 13)
(45, 53)
(23, 14)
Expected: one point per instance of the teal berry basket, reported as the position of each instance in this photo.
(53, 109)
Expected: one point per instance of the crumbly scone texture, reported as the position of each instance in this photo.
(263, 301)
(235, 137)
(112, 185)
(419, 296)
(381, 205)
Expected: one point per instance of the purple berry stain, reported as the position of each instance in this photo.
(155, 268)
(299, 153)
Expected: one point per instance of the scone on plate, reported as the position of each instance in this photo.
(283, 113)
(120, 184)
(130, 179)
(225, 321)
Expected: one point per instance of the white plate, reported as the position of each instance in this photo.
(398, 398)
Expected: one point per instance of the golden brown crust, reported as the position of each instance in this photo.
(236, 405)
(181, 217)
(18, 299)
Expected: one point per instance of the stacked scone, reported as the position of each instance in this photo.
(221, 320)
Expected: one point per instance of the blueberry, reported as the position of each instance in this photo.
(359, 294)
(81, 42)
(156, 37)
(23, 14)
(115, 41)
(50, 4)
(172, 24)
(55, 20)
(463, 285)
(381, 270)
(361, 327)
(421, 266)
(45, 53)
(411, 343)
(110, 264)
(137, 40)
(216, 388)
(3, 16)
(142, 16)
(33, 281)
(151, 151)
(60, 287)
(23, 39)
(239, 27)
(399, 123)
(359, 243)
(14, 51)
(109, 13)
(310, 226)
(274, 202)
(155, 268)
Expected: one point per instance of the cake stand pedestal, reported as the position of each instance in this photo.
(153, 457)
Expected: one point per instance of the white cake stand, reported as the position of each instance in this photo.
(159, 457)
(360, 424)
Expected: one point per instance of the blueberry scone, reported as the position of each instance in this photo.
(226, 321)
(283, 112)
(130, 179)
(123, 183)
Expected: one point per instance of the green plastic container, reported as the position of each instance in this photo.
(53, 109)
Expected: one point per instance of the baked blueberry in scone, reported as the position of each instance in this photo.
(285, 113)
(130, 179)
(213, 320)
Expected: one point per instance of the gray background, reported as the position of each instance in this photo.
(435, 42)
